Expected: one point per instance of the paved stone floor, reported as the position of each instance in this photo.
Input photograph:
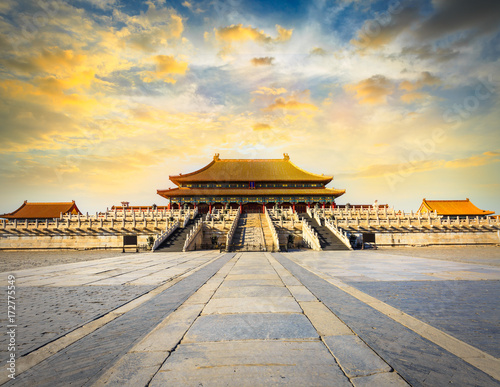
(354, 318)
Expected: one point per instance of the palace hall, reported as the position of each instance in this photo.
(251, 185)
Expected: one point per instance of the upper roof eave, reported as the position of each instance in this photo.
(273, 169)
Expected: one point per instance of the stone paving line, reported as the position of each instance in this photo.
(228, 333)
(259, 319)
(418, 360)
(32, 359)
(129, 271)
(472, 355)
(48, 312)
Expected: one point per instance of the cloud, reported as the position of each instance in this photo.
(318, 51)
(237, 33)
(425, 79)
(450, 16)
(166, 66)
(269, 91)
(292, 104)
(102, 4)
(413, 96)
(260, 126)
(265, 61)
(426, 51)
(380, 170)
(191, 7)
(382, 30)
(53, 60)
(475, 161)
(373, 90)
(151, 29)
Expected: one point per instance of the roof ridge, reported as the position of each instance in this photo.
(45, 203)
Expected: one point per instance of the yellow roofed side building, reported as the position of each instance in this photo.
(460, 208)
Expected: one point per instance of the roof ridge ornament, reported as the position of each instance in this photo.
(216, 157)
(286, 157)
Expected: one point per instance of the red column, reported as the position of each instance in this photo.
(323, 206)
(293, 206)
(241, 208)
(264, 208)
(210, 208)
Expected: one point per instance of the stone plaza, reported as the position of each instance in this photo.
(312, 318)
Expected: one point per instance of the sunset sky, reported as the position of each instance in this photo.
(102, 100)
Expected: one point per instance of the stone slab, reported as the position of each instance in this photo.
(354, 356)
(325, 322)
(252, 282)
(290, 280)
(262, 326)
(133, 369)
(386, 379)
(252, 291)
(232, 276)
(252, 305)
(170, 331)
(301, 293)
(254, 363)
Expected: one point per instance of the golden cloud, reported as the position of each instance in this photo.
(373, 90)
(425, 79)
(55, 60)
(292, 104)
(269, 91)
(373, 34)
(265, 61)
(226, 36)
(318, 51)
(166, 66)
(413, 96)
(151, 29)
(475, 161)
(260, 126)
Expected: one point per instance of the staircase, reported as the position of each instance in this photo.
(327, 239)
(268, 236)
(175, 242)
(249, 234)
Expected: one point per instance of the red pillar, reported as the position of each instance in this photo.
(210, 208)
(293, 206)
(241, 208)
(264, 208)
(323, 206)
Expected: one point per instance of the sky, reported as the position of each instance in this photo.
(102, 100)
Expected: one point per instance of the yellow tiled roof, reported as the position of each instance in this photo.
(250, 192)
(453, 208)
(42, 210)
(250, 170)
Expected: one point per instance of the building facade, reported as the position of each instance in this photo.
(250, 184)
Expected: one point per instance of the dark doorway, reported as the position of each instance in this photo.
(252, 208)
